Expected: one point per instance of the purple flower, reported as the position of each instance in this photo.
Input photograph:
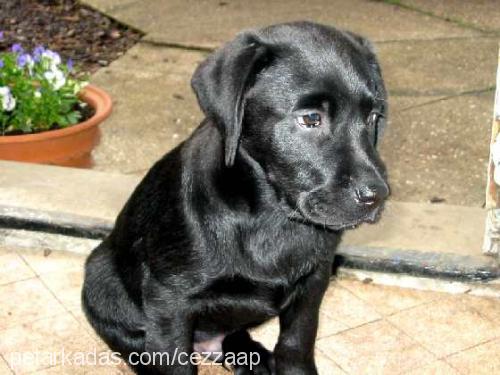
(69, 65)
(17, 48)
(24, 59)
(1, 35)
(1, 64)
(37, 52)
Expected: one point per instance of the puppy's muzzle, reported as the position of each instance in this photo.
(344, 207)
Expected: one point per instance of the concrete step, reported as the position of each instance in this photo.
(413, 238)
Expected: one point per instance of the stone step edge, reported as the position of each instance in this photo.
(447, 266)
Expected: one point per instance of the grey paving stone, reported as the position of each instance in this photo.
(154, 107)
(211, 22)
(443, 228)
(439, 67)
(49, 189)
(109, 5)
(440, 150)
(483, 14)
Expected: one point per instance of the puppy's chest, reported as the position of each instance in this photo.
(288, 252)
(245, 300)
(266, 272)
(264, 269)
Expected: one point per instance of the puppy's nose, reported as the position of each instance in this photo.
(371, 195)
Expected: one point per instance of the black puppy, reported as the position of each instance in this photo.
(240, 222)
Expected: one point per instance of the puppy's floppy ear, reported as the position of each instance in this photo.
(220, 83)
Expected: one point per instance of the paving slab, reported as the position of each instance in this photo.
(106, 6)
(209, 23)
(484, 14)
(440, 150)
(427, 227)
(439, 67)
(402, 280)
(34, 322)
(154, 107)
(80, 192)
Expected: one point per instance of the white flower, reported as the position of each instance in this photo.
(37, 94)
(56, 78)
(79, 86)
(52, 58)
(7, 99)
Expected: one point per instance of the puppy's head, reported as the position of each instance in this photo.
(308, 104)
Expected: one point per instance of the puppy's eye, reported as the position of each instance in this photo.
(311, 120)
(374, 117)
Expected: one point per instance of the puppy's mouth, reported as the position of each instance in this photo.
(328, 222)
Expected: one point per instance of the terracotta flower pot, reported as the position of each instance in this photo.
(71, 146)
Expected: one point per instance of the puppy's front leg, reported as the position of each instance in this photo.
(294, 352)
(169, 334)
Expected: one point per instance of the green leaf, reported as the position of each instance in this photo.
(74, 117)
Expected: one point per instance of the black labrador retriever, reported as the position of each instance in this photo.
(240, 222)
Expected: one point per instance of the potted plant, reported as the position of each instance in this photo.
(47, 114)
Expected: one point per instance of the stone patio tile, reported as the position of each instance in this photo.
(325, 365)
(343, 306)
(429, 149)
(84, 370)
(487, 307)
(13, 268)
(43, 261)
(446, 326)
(388, 300)
(212, 370)
(399, 103)
(154, 108)
(146, 60)
(4, 368)
(108, 5)
(481, 14)
(438, 67)
(267, 333)
(430, 228)
(40, 344)
(374, 348)
(120, 370)
(80, 317)
(480, 360)
(209, 23)
(66, 285)
(26, 301)
(329, 325)
(57, 192)
(434, 368)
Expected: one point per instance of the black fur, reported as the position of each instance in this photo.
(240, 222)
